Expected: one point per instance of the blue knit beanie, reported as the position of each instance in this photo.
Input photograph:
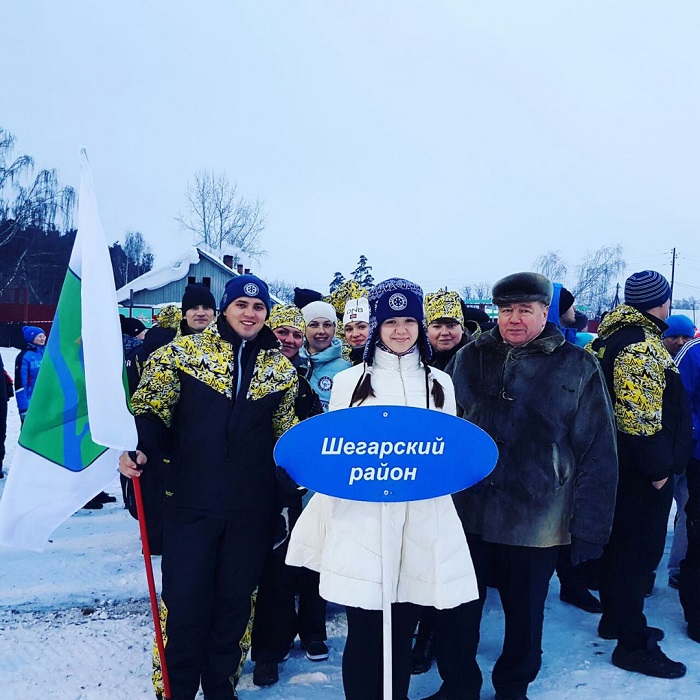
(245, 286)
(646, 290)
(31, 332)
(396, 297)
(678, 324)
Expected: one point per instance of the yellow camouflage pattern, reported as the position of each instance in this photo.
(350, 289)
(286, 315)
(274, 372)
(244, 645)
(157, 675)
(247, 638)
(639, 373)
(169, 317)
(443, 304)
(207, 357)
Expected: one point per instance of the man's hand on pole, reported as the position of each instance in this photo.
(130, 468)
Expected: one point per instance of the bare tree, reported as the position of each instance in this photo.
(139, 258)
(219, 217)
(37, 204)
(477, 290)
(551, 266)
(596, 276)
(282, 290)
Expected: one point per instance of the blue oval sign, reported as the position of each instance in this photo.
(386, 453)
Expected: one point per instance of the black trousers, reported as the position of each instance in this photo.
(690, 566)
(211, 566)
(277, 622)
(575, 577)
(363, 658)
(636, 545)
(3, 421)
(521, 575)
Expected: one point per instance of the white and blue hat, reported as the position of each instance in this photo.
(391, 298)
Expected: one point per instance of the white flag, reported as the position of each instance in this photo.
(79, 420)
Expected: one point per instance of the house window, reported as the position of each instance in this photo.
(191, 280)
(206, 281)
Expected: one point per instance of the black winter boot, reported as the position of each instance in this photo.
(581, 597)
(265, 673)
(650, 661)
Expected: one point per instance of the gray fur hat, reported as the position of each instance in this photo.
(522, 287)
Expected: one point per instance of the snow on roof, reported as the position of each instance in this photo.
(155, 279)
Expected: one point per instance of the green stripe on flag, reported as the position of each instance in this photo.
(56, 426)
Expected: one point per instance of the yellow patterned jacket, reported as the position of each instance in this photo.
(223, 438)
(647, 394)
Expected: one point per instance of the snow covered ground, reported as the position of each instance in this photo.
(75, 625)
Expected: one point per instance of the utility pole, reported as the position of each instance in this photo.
(673, 274)
(616, 299)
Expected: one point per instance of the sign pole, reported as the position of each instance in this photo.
(387, 594)
(326, 454)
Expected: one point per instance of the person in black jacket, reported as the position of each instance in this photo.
(4, 398)
(445, 319)
(277, 621)
(198, 311)
(227, 393)
(653, 442)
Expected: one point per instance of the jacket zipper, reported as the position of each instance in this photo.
(403, 384)
(239, 374)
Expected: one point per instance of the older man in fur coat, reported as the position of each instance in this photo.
(544, 402)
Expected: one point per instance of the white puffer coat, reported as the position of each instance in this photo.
(342, 539)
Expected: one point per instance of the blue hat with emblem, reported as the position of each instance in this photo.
(391, 298)
(245, 286)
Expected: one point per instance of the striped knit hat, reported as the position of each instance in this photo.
(646, 290)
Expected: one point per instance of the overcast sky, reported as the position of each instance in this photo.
(450, 142)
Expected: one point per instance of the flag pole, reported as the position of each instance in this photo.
(387, 595)
(151, 583)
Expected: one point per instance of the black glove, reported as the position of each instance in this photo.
(583, 551)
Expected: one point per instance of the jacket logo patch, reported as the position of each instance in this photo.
(325, 383)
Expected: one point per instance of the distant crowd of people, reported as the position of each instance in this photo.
(596, 435)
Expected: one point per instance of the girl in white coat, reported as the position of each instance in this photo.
(342, 539)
